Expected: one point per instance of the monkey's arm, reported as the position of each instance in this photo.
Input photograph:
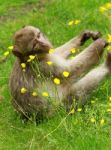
(65, 49)
(81, 62)
(88, 83)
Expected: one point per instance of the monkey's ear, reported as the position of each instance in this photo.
(17, 53)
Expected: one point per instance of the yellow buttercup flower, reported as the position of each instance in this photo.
(73, 22)
(93, 120)
(29, 60)
(79, 109)
(71, 57)
(110, 104)
(76, 22)
(34, 94)
(108, 5)
(45, 94)
(102, 121)
(109, 110)
(57, 81)
(110, 98)
(38, 75)
(72, 111)
(51, 50)
(73, 50)
(102, 9)
(23, 65)
(109, 38)
(49, 63)
(70, 23)
(92, 102)
(109, 48)
(32, 57)
(23, 90)
(6, 53)
(10, 47)
(66, 74)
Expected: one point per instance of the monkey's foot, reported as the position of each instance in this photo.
(102, 42)
(89, 34)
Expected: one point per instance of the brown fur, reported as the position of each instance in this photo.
(39, 75)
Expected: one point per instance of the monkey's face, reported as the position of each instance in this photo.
(30, 39)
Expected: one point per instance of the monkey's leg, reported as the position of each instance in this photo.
(64, 50)
(88, 57)
(88, 83)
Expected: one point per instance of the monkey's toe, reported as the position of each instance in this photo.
(96, 35)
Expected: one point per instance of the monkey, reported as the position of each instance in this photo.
(39, 76)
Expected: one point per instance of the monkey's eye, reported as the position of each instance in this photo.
(38, 35)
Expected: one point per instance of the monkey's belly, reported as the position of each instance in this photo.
(55, 92)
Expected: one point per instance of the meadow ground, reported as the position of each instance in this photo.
(86, 130)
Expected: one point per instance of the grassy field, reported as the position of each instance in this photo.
(62, 132)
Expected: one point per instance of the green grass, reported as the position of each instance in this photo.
(61, 132)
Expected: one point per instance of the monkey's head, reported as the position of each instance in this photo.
(30, 40)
